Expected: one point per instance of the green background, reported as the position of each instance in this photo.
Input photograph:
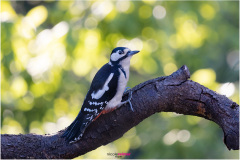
(50, 51)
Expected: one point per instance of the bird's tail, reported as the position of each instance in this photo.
(75, 131)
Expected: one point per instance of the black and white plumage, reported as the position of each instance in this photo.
(105, 93)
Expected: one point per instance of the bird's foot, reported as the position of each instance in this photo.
(126, 89)
(128, 100)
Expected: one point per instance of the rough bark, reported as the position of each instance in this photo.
(174, 93)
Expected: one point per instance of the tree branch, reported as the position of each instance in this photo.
(174, 93)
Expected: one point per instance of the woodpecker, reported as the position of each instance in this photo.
(105, 93)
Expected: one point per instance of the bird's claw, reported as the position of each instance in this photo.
(126, 89)
(129, 98)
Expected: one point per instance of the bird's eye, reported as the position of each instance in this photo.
(120, 52)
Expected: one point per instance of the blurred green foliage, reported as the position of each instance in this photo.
(50, 51)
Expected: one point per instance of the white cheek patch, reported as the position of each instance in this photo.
(116, 56)
(99, 93)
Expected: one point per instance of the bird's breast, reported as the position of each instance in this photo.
(122, 83)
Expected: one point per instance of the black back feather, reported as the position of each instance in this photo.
(89, 112)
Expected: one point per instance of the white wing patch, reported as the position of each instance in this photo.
(99, 93)
(90, 110)
(96, 103)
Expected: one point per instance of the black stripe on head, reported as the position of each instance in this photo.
(120, 59)
(118, 48)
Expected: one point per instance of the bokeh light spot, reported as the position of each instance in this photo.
(91, 40)
(145, 12)
(148, 32)
(122, 144)
(207, 11)
(60, 29)
(81, 67)
(134, 44)
(91, 23)
(34, 15)
(171, 137)
(169, 68)
(101, 9)
(227, 89)
(159, 12)
(38, 65)
(183, 136)
(11, 126)
(122, 6)
(19, 87)
(205, 77)
(7, 12)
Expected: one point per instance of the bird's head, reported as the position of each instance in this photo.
(121, 54)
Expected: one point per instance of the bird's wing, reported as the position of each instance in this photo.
(102, 90)
(101, 77)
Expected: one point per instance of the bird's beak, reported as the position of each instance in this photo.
(132, 53)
